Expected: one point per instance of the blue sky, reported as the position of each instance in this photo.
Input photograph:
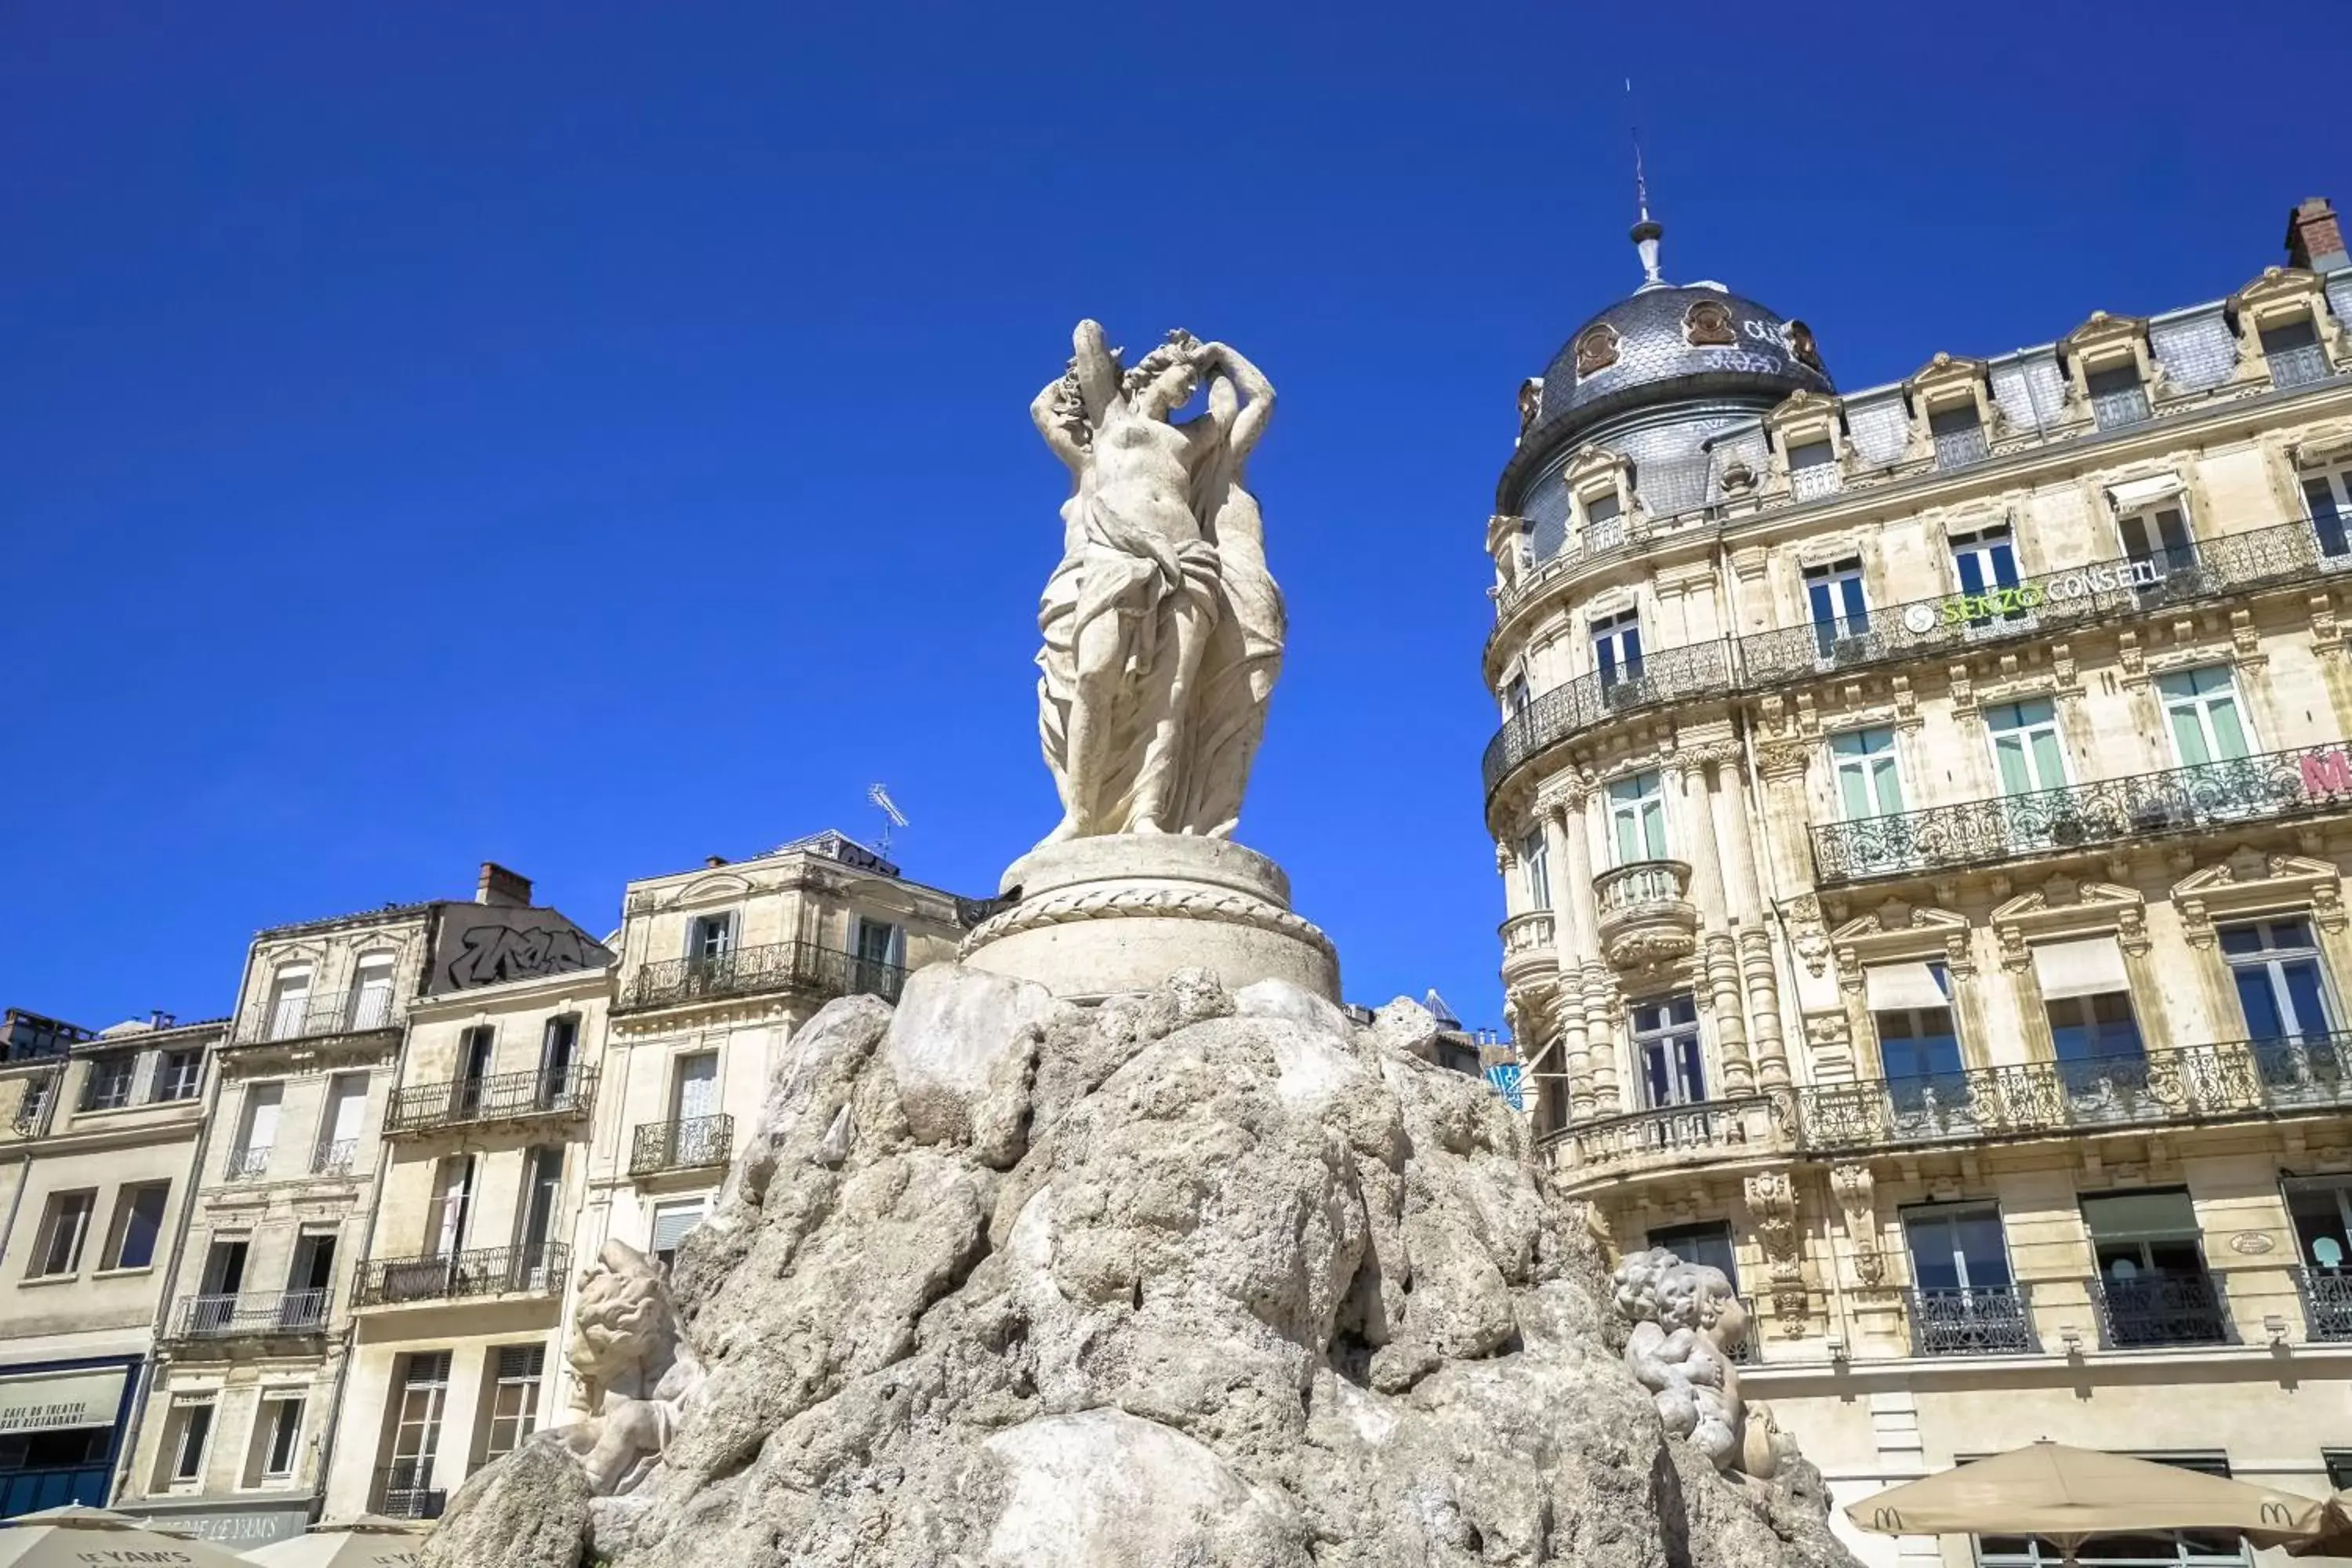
(593, 436)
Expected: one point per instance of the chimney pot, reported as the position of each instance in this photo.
(2314, 238)
(498, 886)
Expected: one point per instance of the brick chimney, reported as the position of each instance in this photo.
(502, 887)
(2313, 238)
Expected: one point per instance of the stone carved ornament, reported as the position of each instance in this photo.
(1162, 628)
(635, 1371)
(1688, 1325)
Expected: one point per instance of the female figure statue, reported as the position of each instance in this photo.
(1161, 626)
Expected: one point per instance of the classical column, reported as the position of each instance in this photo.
(1563, 836)
(1600, 1037)
(1783, 766)
(1718, 965)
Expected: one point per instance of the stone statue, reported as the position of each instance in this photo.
(635, 1371)
(1687, 1327)
(1162, 628)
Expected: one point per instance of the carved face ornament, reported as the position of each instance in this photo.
(1596, 349)
(1707, 324)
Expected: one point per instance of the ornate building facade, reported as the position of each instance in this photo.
(1923, 813)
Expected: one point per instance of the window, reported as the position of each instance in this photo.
(1515, 696)
(1604, 525)
(2292, 352)
(185, 1433)
(2339, 1467)
(1957, 1247)
(1918, 1049)
(2152, 1284)
(511, 1413)
(276, 1438)
(59, 1449)
(2118, 397)
(224, 1273)
(453, 1195)
(1986, 562)
(423, 1383)
(1868, 783)
(290, 1003)
(309, 1282)
(1617, 649)
(106, 1085)
(138, 1221)
(371, 992)
(257, 1131)
(2275, 964)
(179, 1074)
(710, 936)
(2320, 1207)
(1534, 867)
(2195, 1549)
(694, 1094)
(2025, 749)
(338, 1128)
(543, 1188)
(1812, 470)
(1959, 436)
(1637, 818)
(2087, 996)
(559, 1048)
(1833, 594)
(476, 1049)
(2330, 496)
(671, 1222)
(65, 1223)
(2200, 709)
(33, 1109)
(1708, 1244)
(2159, 538)
(1666, 1050)
(878, 948)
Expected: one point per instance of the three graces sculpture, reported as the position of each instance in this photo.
(1163, 628)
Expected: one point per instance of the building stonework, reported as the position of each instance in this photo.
(1923, 815)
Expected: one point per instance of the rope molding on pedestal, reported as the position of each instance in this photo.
(1149, 903)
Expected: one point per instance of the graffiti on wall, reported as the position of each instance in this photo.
(484, 946)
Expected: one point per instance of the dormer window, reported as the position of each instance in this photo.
(1812, 470)
(1959, 436)
(2118, 397)
(1604, 521)
(2292, 350)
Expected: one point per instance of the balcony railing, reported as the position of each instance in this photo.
(502, 1097)
(304, 1017)
(2267, 787)
(751, 971)
(278, 1312)
(1958, 448)
(2149, 1310)
(694, 1143)
(2298, 367)
(2326, 1302)
(403, 1490)
(1983, 1320)
(460, 1276)
(1814, 480)
(246, 1164)
(2118, 587)
(334, 1159)
(1671, 674)
(1752, 1123)
(2113, 410)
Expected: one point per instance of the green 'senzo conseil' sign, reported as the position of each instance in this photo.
(2108, 577)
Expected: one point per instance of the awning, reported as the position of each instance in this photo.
(1902, 987)
(2083, 967)
(2131, 497)
(48, 1402)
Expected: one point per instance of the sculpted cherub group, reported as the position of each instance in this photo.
(1688, 1325)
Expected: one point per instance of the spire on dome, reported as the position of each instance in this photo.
(1648, 231)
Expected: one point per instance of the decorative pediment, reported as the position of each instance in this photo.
(1594, 463)
(2280, 291)
(1896, 931)
(2104, 331)
(1801, 411)
(2250, 881)
(2064, 906)
(2323, 446)
(711, 890)
(1945, 374)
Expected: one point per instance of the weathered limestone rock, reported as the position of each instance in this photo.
(1209, 1281)
(528, 1511)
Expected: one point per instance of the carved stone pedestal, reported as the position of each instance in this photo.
(1120, 912)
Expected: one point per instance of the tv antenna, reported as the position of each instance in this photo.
(891, 816)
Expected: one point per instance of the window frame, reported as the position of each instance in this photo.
(2027, 732)
(45, 1242)
(2200, 703)
(1682, 1046)
(118, 1225)
(1861, 760)
(1634, 815)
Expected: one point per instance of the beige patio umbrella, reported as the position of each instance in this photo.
(367, 1541)
(2066, 1496)
(77, 1537)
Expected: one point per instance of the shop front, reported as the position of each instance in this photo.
(61, 1428)
(249, 1521)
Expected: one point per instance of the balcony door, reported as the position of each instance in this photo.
(475, 1047)
(558, 1044)
(2152, 1279)
(543, 1188)
(309, 1282)
(1708, 1246)
(1637, 818)
(2158, 543)
(225, 1265)
(1617, 649)
(2320, 1207)
(1869, 784)
(407, 1479)
(2202, 714)
(1833, 595)
(1964, 1298)
(371, 996)
(2025, 750)
(2330, 496)
(695, 1096)
(338, 1139)
(290, 1003)
(453, 1197)
(1667, 1050)
(2280, 987)
(1919, 1044)
(1985, 561)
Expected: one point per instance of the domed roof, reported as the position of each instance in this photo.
(1667, 341)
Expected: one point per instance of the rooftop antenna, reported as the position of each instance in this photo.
(891, 816)
(1647, 230)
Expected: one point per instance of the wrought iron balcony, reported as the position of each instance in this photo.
(694, 1143)
(753, 971)
(2118, 586)
(1528, 949)
(403, 1490)
(2189, 1083)
(334, 1159)
(246, 1164)
(2298, 367)
(462, 1276)
(2273, 786)
(502, 1097)
(1678, 1134)
(2149, 1310)
(273, 1314)
(354, 1012)
(1960, 448)
(2326, 1302)
(1987, 1320)
(1645, 915)
(2113, 410)
(1670, 675)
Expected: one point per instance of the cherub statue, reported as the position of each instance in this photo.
(634, 1369)
(1688, 1324)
